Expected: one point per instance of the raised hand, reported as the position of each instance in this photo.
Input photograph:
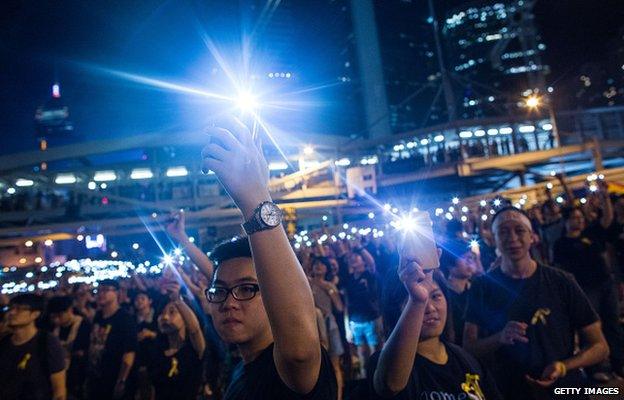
(177, 227)
(237, 160)
(418, 283)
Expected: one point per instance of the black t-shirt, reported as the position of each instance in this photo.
(461, 374)
(111, 338)
(81, 341)
(363, 297)
(457, 305)
(554, 307)
(582, 256)
(145, 344)
(260, 380)
(177, 376)
(25, 369)
(616, 237)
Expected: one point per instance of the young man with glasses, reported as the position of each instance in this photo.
(32, 362)
(524, 317)
(260, 297)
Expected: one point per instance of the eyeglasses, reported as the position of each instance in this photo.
(243, 292)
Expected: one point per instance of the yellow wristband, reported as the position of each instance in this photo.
(561, 367)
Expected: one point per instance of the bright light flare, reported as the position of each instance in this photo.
(533, 102)
(247, 102)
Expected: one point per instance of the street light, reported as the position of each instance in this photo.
(533, 102)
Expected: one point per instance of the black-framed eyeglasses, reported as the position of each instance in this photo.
(242, 292)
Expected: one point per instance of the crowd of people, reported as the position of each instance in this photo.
(533, 307)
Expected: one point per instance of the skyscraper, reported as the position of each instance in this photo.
(494, 55)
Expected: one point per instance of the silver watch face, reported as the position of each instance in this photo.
(270, 214)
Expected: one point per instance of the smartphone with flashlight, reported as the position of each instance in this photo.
(417, 241)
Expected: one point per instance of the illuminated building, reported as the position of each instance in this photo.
(494, 55)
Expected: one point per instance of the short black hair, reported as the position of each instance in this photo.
(60, 304)
(34, 301)
(394, 295)
(566, 212)
(452, 250)
(109, 282)
(236, 247)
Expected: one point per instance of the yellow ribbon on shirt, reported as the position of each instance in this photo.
(174, 368)
(22, 364)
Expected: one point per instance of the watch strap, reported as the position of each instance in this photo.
(255, 224)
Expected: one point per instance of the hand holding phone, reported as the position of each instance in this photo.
(417, 241)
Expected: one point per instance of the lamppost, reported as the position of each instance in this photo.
(534, 102)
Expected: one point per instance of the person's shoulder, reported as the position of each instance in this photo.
(51, 340)
(490, 277)
(124, 315)
(556, 275)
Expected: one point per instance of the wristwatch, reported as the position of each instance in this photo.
(266, 216)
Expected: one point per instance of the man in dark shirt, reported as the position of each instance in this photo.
(112, 347)
(524, 316)
(459, 263)
(581, 252)
(73, 331)
(262, 303)
(32, 362)
(363, 307)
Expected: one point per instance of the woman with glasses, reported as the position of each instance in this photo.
(174, 361)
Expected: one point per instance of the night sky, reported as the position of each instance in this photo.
(41, 41)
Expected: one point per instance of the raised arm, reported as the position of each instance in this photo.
(177, 229)
(566, 188)
(607, 207)
(238, 162)
(193, 328)
(397, 357)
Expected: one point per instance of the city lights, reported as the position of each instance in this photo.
(24, 182)
(278, 166)
(173, 172)
(104, 176)
(48, 242)
(65, 179)
(141, 173)
(343, 162)
(29, 243)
